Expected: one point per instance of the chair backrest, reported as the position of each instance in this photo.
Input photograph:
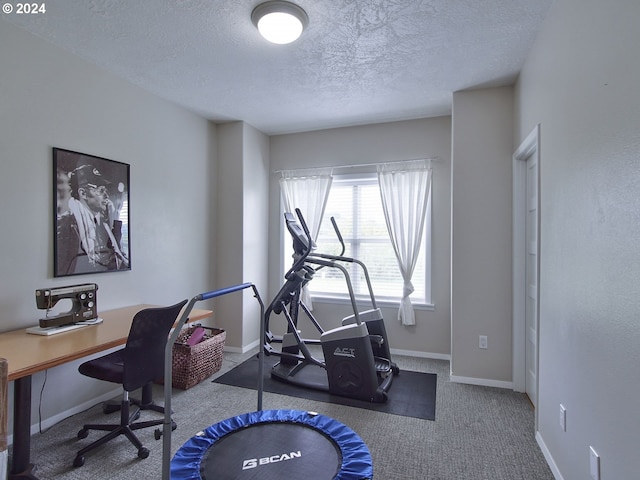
(143, 354)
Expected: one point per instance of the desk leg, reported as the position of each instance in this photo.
(20, 466)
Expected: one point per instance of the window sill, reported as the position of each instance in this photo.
(388, 303)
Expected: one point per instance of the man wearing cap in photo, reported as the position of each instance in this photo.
(68, 241)
(91, 209)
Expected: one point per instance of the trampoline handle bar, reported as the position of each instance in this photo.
(222, 291)
(168, 357)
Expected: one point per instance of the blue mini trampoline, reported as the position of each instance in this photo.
(274, 444)
(266, 444)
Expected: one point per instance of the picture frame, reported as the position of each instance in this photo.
(91, 227)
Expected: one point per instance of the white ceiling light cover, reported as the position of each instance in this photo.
(279, 22)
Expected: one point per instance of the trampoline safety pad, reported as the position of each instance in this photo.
(274, 444)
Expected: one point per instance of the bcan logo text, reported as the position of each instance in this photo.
(255, 462)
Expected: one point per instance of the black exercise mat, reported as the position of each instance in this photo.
(412, 394)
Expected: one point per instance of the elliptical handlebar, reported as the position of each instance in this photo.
(304, 227)
(339, 235)
(303, 245)
(298, 239)
(341, 258)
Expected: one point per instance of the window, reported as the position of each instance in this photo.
(354, 202)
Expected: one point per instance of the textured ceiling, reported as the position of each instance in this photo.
(359, 61)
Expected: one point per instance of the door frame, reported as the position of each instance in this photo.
(530, 146)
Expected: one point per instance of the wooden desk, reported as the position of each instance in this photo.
(28, 354)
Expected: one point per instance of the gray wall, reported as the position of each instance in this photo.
(580, 83)
(373, 144)
(481, 235)
(242, 246)
(255, 218)
(230, 228)
(51, 98)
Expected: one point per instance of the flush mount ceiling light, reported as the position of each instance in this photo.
(279, 21)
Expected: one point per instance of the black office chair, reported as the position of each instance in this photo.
(134, 366)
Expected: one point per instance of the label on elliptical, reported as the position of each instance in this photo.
(344, 352)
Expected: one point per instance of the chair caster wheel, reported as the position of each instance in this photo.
(108, 408)
(143, 452)
(78, 461)
(157, 433)
(84, 433)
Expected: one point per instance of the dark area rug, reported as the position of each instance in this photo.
(412, 394)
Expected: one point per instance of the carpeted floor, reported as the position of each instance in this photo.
(412, 394)
(480, 433)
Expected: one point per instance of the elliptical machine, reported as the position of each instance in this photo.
(356, 363)
(373, 317)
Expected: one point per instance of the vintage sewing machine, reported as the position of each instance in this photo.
(84, 304)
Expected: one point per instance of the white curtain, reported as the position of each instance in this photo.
(307, 190)
(404, 189)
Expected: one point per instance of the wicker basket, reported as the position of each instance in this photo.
(193, 364)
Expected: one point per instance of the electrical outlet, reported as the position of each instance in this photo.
(563, 418)
(594, 464)
(482, 342)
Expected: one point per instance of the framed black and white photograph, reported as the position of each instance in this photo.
(91, 214)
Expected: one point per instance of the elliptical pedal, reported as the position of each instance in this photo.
(383, 367)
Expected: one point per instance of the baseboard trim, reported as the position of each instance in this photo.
(548, 457)
(51, 421)
(414, 353)
(485, 382)
(243, 349)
